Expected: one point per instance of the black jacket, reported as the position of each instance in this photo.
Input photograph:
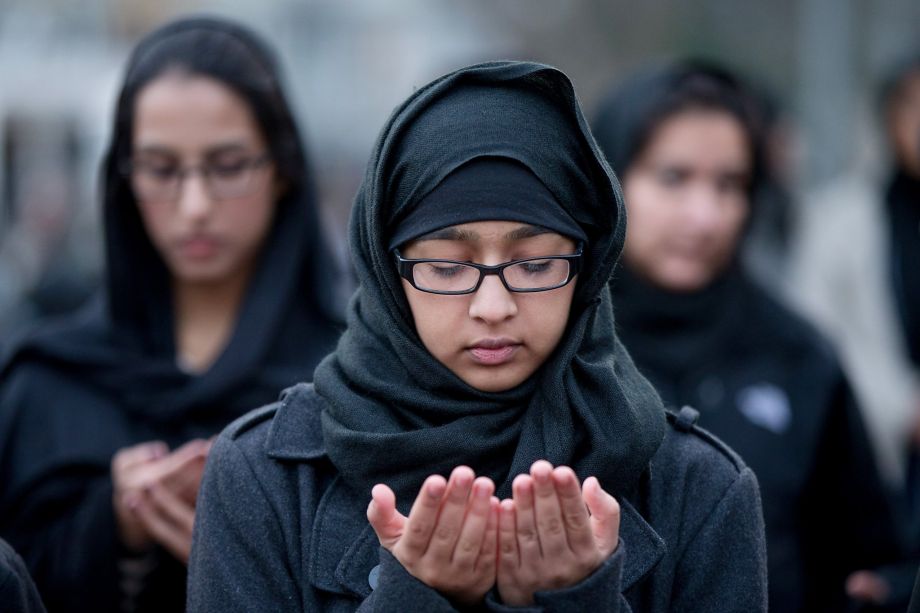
(17, 592)
(769, 386)
(278, 530)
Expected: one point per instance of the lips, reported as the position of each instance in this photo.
(493, 351)
(199, 247)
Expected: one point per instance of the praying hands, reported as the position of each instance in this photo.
(461, 541)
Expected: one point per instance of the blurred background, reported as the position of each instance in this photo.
(818, 64)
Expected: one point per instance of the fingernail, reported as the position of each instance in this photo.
(435, 489)
(481, 491)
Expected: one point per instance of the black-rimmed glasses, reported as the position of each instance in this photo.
(452, 277)
(159, 182)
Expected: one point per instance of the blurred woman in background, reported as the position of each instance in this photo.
(857, 273)
(219, 294)
(685, 142)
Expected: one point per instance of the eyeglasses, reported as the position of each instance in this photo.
(162, 182)
(452, 277)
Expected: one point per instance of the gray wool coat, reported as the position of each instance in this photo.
(276, 529)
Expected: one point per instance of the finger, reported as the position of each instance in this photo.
(488, 555)
(473, 529)
(164, 526)
(173, 464)
(386, 521)
(174, 509)
(605, 516)
(424, 515)
(550, 527)
(574, 513)
(525, 521)
(127, 458)
(508, 557)
(186, 481)
(450, 518)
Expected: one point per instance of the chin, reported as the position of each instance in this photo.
(685, 278)
(494, 382)
(201, 272)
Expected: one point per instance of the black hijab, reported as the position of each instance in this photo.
(394, 413)
(123, 342)
(903, 212)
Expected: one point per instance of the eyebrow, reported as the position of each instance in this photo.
(228, 147)
(455, 234)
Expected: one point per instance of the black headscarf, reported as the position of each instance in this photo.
(394, 413)
(124, 341)
(903, 212)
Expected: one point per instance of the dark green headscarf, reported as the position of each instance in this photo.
(394, 413)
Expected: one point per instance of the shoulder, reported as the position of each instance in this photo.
(694, 465)
(271, 437)
(694, 477)
(691, 449)
(16, 587)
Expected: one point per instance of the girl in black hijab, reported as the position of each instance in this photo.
(217, 297)
(480, 345)
(684, 140)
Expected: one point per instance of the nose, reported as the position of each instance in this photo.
(195, 203)
(492, 303)
(704, 208)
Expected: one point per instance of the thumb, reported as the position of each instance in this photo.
(386, 521)
(605, 516)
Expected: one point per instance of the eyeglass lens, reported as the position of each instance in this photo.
(455, 277)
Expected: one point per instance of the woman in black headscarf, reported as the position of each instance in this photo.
(684, 140)
(217, 297)
(480, 342)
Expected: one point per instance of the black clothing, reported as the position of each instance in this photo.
(385, 410)
(486, 189)
(74, 393)
(769, 386)
(17, 592)
(385, 391)
(903, 200)
(278, 529)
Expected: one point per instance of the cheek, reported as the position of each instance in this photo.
(434, 317)
(648, 219)
(735, 216)
(250, 220)
(157, 220)
(548, 315)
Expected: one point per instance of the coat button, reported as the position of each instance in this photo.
(373, 577)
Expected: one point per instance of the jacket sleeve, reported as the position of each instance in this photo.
(59, 517)
(599, 591)
(723, 568)
(237, 561)
(848, 514)
(396, 587)
(17, 592)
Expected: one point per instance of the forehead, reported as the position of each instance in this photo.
(701, 136)
(190, 113)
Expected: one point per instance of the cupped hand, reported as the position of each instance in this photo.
(155, 493)
(449, 539)
(553, 533)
